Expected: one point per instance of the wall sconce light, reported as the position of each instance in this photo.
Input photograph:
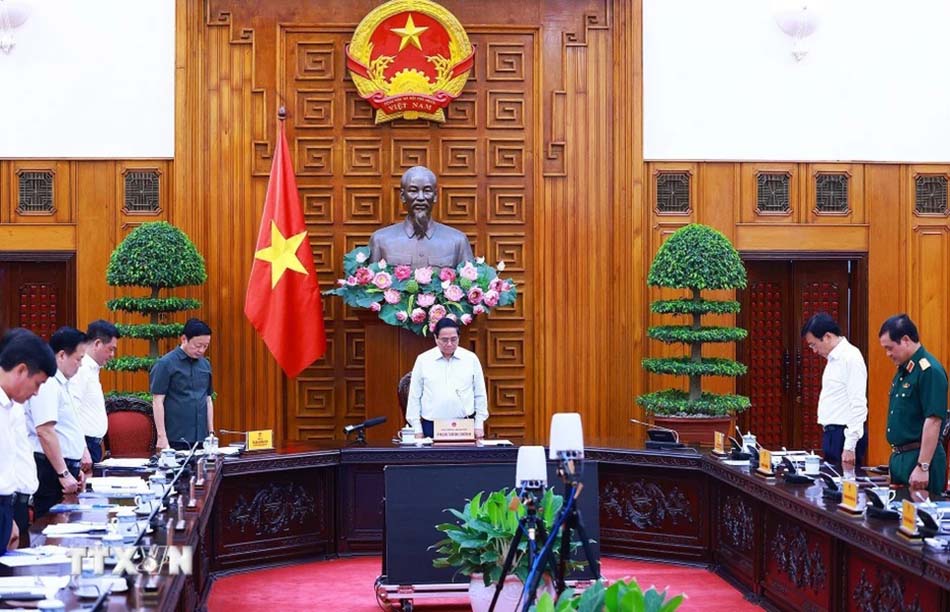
(13, 14)
(799, 20)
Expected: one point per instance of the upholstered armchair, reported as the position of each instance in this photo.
(132, 430)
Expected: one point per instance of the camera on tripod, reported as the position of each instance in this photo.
(567, 448)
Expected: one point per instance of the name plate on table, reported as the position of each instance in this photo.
(719, 443)
(765, 463)
(453, 430)
(261, 439)
(849, 497)
(909, 519)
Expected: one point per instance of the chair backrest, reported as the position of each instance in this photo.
(402, 391)
(132, 430)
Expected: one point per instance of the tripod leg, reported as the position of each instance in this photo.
(509, 560)
(578, 525)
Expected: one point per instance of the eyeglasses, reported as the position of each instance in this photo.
(453, 340)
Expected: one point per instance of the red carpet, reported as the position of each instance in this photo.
(347, 584)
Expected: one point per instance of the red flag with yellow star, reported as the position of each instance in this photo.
(283, 297)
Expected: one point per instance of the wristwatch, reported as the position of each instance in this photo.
(924, 466)
(64, 473)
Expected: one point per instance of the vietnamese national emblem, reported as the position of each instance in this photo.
(409, 58)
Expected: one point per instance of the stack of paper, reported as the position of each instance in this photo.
(40, 555)
(119, 484)
(114, 462)
(79, 527)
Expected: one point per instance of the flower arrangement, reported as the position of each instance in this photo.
(417, 298)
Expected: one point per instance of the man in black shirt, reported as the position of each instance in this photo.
(180, 383)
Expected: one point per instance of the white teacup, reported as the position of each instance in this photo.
(146, 503)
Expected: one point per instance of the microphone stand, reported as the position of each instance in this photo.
(158, 506)
(360, 437)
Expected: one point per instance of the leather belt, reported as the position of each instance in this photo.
(23, 498)
(831, 427)
(897, 449)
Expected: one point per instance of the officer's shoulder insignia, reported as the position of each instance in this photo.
(910, 366)
(924, 364)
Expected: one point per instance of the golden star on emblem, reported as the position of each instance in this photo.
(282, 254)
(410, 34)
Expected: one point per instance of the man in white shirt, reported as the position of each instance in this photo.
(843, 401)
(101, 340)
(59, 447)
(25, 364)
(447, 383)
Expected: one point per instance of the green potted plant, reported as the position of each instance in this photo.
(478, 544)
(621, 596)
(696, 258)
(155, 256)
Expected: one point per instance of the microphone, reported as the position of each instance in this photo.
(232, 431)
(676, 434)
(364, 425)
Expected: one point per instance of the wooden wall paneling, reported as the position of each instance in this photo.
(630, 218)
(929, 282)
(219, 182)
(577, 196)
(717, 206)
(5, 191)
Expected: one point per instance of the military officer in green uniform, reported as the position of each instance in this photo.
(916, 410)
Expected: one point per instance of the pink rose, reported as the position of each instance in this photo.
(425, 300)
(475, 295)
(436, 312)
(491, 298)
(447, 274)
(382, 280)
(451, 316)
(364, 276)
(375, 307)
(469, 271)
(402, 272)
(418, 315)
(454, 293)
(401, 316)
(391, 296)
(432, 327)
(495, 285)
(479, 309)
(466, 319)
(423, 275)
(505, 286)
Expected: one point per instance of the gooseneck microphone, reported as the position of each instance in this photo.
(364, 425)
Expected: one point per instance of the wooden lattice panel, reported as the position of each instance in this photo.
(765, 362)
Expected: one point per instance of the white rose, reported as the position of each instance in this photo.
(361, 257)
(501, 266)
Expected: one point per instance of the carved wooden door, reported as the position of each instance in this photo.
(37, 295)
(784, 377)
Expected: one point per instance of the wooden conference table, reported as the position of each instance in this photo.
(782, 544)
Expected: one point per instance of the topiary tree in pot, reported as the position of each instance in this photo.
(697, 258)
(154, 256)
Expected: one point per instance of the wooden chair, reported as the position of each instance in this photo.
(402, 391)
(132, 430)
